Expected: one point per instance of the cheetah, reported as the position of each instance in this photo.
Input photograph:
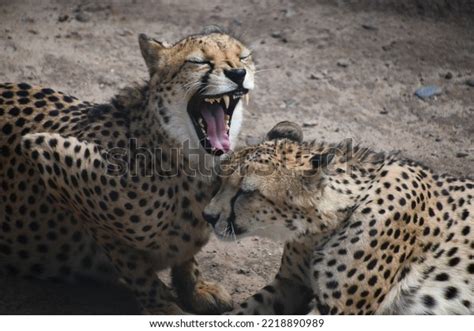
(116, 191)
(363, 232)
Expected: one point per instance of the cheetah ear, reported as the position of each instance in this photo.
(286, 130)
(151, 51)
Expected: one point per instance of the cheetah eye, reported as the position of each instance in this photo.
(246, 57)
(198, 62)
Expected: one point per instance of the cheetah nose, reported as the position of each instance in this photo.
(236, 75)
(210, 218)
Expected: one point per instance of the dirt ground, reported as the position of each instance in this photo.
(348, 70)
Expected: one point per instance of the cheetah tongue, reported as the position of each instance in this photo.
(213, 114)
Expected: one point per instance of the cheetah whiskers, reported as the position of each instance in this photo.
(233, 232)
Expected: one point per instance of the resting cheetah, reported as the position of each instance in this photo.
(365, 233)
(88, 186)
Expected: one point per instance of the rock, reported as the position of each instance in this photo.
(276, 34)
(369, 27)
(309, 124)
(448, 75)
(384, 112)
(470, 82)
(343, 63)
(388, 47)
(289, 12)
(63, 18)
(279, 35)
(73, 35)
(243, 271)
(461, 154)
(427, 92)
(236, 22)
(82, 17)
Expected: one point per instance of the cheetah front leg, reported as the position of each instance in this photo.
(289, 293)
(52, 154)
(196, 294)
(136, 269)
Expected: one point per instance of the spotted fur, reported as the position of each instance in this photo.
(73, 201)
(364, 232)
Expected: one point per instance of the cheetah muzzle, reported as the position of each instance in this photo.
(212, 118)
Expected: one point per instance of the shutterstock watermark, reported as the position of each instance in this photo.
(136, 160)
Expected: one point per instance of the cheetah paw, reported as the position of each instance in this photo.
(209, 298)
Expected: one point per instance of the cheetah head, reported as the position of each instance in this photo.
(203, 83)
(275, 189)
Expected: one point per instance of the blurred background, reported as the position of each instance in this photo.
(391, 74)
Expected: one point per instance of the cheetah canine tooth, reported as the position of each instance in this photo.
(247, 98)
(226, 100)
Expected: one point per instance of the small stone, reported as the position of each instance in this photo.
(461, 154)
(384, 112)
(63, 18)
(309, 124)
(237, 22)
(279, 35)
(470, 82)
(289, 12)
(343, 63)
(427, 92)
(369, 27)
(276, 34)
(243, 272)
(82, 17)
(448, 75)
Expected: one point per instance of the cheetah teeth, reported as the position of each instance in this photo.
(227, 122)
(212, 100)
(226, 99)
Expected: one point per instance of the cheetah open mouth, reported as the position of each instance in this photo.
(212, 116)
